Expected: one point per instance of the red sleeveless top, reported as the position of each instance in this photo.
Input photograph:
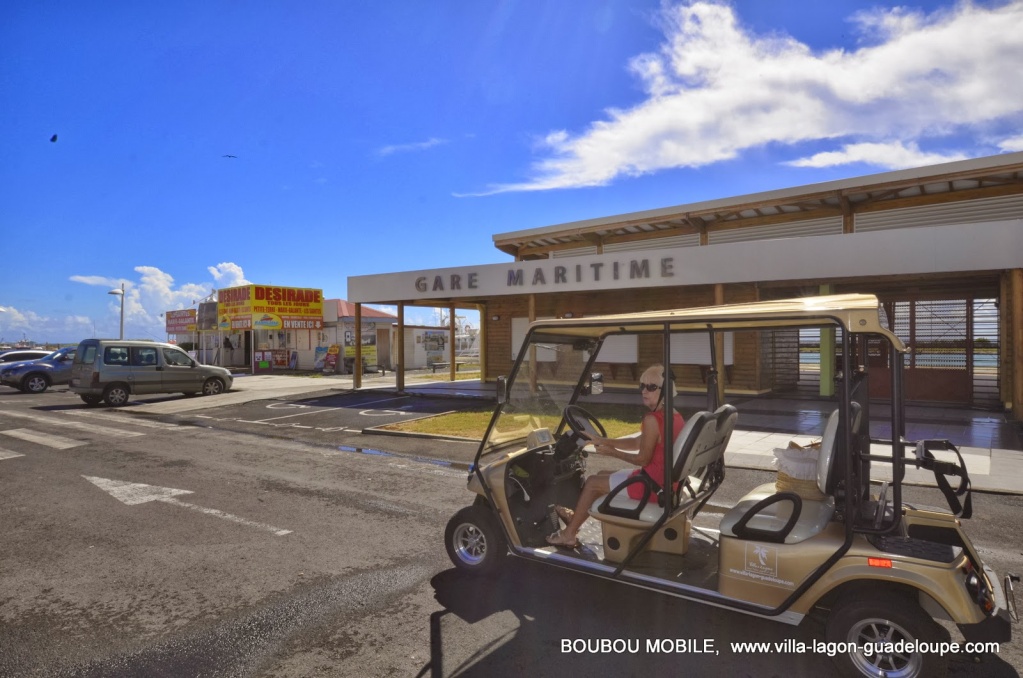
(655, 468)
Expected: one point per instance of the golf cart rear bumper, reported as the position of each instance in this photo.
(998, 627)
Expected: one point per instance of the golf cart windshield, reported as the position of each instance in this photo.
(540, 389)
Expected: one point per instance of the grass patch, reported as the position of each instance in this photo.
(473, 422)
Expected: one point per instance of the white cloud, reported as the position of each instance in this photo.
(145, 300)
(407, 148)
(1011, 144)
(893, 155)
(228, 275)
(96, 280)
(714, 89)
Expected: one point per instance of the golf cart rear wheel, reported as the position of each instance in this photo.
(877, 624)
(474, 540)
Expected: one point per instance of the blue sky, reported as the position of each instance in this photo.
(375, 137)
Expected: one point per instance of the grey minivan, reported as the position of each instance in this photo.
(111, 370)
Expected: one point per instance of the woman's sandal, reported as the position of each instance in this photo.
(559, 539)
(566, 514)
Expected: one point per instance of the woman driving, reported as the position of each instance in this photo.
(645, 451)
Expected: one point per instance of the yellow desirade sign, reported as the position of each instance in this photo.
(270, 308)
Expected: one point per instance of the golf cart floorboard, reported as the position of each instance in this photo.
(698, 567)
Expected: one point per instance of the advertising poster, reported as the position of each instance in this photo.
(180, 322)
(267, 307)
(330, 361)
(435, 344)
(319, 357)
(369, 346)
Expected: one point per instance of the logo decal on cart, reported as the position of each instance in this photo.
(762, 559)
(761, 564)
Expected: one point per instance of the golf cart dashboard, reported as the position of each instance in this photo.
(540, 437)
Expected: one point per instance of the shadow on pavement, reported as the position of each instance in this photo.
(563, 617)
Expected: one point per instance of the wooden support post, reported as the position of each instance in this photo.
(532, 349)
(827, 354)
(399, 370)
(452, 366)
(357, 365)
(719, 346)
(1016, 283)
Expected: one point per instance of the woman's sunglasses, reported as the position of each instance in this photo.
(649, 387)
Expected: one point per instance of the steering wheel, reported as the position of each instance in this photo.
(581, 421)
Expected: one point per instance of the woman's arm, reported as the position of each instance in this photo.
(621, 448)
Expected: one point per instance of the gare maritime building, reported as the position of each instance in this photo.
(940, 246)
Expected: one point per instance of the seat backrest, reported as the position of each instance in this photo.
(829, 442)
(706, 441)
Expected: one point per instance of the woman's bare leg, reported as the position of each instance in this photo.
(595, 486)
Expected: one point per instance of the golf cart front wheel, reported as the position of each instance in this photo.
(474, 540)
(877, 630)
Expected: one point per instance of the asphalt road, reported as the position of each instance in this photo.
(231, 542)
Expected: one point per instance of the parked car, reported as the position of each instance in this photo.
(112, 370)
(21, 354)
(35, 376)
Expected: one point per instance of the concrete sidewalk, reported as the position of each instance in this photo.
(989, 442)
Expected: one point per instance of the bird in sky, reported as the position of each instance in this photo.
(53, 139)
(229, 156)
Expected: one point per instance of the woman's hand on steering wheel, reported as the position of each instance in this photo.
(584, 426)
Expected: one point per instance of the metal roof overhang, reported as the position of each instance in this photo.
(963, 180)
(855, 312)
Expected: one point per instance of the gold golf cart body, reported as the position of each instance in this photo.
(877, 566)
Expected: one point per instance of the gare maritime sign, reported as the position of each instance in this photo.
(636, 269)
(556, 275)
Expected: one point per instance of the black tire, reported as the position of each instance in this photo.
(860, 617)
(35, 383)
(474, 540)
(116, 395)
(91, 400)
(212, 386)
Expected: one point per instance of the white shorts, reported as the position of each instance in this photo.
(619, 477)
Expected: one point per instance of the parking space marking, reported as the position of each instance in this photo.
(47, 439)
(8, 454)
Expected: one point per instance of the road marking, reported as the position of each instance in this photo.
(47, 439)
(385, 413)
(123, 419)
(140, 493)
(8, 454)
(90, 428)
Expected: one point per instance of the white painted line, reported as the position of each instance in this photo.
(140, 493)
(47, 439)
(123, 419)
(90, 428)
(301, 414)
(8, 454)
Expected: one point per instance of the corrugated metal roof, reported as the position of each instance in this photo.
(861, 198)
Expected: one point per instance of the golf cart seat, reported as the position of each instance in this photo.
(784, 517)
(697, 469)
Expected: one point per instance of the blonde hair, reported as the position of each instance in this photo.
(657, 372)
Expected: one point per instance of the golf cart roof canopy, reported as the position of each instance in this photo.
(856, 313)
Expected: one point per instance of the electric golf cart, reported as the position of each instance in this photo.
(877, 568)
